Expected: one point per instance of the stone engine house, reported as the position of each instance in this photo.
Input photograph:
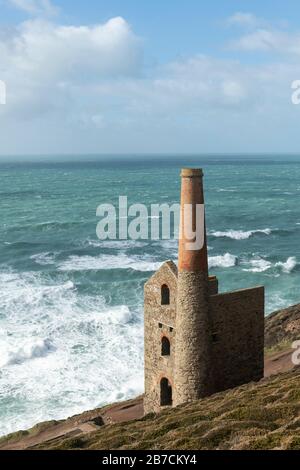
(198, 341)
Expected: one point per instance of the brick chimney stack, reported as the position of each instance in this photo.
(193, 329)
(192, 194)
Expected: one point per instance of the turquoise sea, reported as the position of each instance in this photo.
(71, 306)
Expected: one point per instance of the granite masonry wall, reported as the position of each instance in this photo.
(159, 322)
(193, 377)
(238, 337)
(213, 350)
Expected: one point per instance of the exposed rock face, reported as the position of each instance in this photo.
(283, 327)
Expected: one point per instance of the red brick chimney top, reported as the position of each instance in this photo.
(192, 194)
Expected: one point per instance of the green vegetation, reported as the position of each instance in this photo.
(255, 416)
(264, 415)
(16, 436)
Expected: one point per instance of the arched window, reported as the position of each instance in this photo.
(165, 346)
(166, 398)
(165, 295)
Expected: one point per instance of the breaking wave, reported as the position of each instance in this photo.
(260, 265)
(107, 262)
(222, 261)
(240, 234)
(44, 259)
(288, 266)
(115, 244)
(80, 352)
(30, 350)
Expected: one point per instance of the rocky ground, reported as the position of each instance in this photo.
(255, 416)
(282, 328)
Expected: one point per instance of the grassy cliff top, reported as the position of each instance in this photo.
(255, 416)
(264, 415)
(282, 328)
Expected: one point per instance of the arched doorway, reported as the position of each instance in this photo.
(166, 398)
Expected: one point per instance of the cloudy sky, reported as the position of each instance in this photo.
(130, 76)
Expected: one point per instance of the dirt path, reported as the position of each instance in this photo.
(278, 363)
(82, 424)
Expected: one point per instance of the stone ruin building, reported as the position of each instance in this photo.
(198, 341)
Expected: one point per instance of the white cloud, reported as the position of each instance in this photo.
(244, 20)
(270, 41)
(261, 35)
(42, 62)
(84, 89)
(52, 52)
(35, 7)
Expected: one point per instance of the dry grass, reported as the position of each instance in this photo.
(254, 416)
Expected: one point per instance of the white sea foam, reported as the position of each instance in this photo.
(116, 244)
(225, 261)
(258, 265)
(136, 263)
(63, 351)
(44, 259)
(105, 262)
(170, 247)
(221, 190)
(240, 234)
(288, 266)
(30, 350)
(275, 302)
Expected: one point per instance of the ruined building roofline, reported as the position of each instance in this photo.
(172, 266)
(167, 264)
(239, 291)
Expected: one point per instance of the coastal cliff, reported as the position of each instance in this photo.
(264, 415)
(282, 328)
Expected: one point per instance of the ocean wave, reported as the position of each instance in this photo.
(81, 351)
(260, 265)
(221, 190)
(115, 244)
(170, 246)
(288, 266)
(44, 226)
(17, 194)
(54, 225)
(21, 245)
(136, 263)
(240, 234)
(31, 350)
(276, 301)
(19, 292)
(225, 261)
(44, 259)
(107, 262)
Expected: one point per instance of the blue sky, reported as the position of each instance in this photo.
(170, 27)
(124, 76)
